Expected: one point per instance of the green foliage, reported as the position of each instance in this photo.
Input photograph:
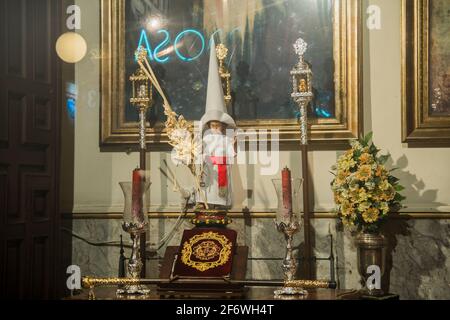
(384, 158)
(367, 138)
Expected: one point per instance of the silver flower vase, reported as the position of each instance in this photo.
(371, 249)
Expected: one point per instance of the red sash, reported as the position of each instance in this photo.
(221, 163)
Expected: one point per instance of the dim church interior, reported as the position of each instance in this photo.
(61, 204)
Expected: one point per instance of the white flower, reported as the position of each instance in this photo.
(370, 185)
(384, 207)
(356, 144)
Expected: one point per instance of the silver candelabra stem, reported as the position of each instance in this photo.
(135, 229)
(303, 121)
(142, 143)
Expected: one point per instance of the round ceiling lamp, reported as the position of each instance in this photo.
(71, 47)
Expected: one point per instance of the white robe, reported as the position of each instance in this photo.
(217, 145)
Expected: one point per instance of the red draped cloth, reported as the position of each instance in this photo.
(221, 163)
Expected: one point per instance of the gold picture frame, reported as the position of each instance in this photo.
(419, 127)
(331, 132)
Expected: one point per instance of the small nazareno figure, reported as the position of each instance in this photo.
(218, 136)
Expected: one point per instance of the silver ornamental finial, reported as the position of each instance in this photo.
(300, 47)
(140, 53)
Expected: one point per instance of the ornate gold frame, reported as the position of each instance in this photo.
(418, 127)
(327, 132)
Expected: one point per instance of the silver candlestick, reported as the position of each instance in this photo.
(135, 229)
(289, 263)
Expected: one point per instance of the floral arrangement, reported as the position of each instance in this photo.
(365, 192)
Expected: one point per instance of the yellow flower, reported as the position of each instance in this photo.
(376, 198)
(363, 206)
(362, 195)
(347, 209)
(365, 158)
(389, 194)
(364, 173)
(337, 198)
(349, 154)
(354, 193)
(370, 215)
(345, 165)
(341, 176)
(384, 185)
(380, 171)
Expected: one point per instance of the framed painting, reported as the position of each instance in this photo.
(259, 36)
(426, 73)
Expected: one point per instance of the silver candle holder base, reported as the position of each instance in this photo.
(135, 229)
(289, 263)
(289, 291)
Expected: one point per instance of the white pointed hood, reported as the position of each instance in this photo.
(215, 102)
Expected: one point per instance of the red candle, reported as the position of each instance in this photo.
(287, 192)
(136, 195)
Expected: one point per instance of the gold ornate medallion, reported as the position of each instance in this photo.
(206, 251)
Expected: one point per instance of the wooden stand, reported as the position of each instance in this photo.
(204, 286)
(306, 213)
(143, 236)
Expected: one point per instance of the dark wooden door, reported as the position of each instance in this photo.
(29, 145)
